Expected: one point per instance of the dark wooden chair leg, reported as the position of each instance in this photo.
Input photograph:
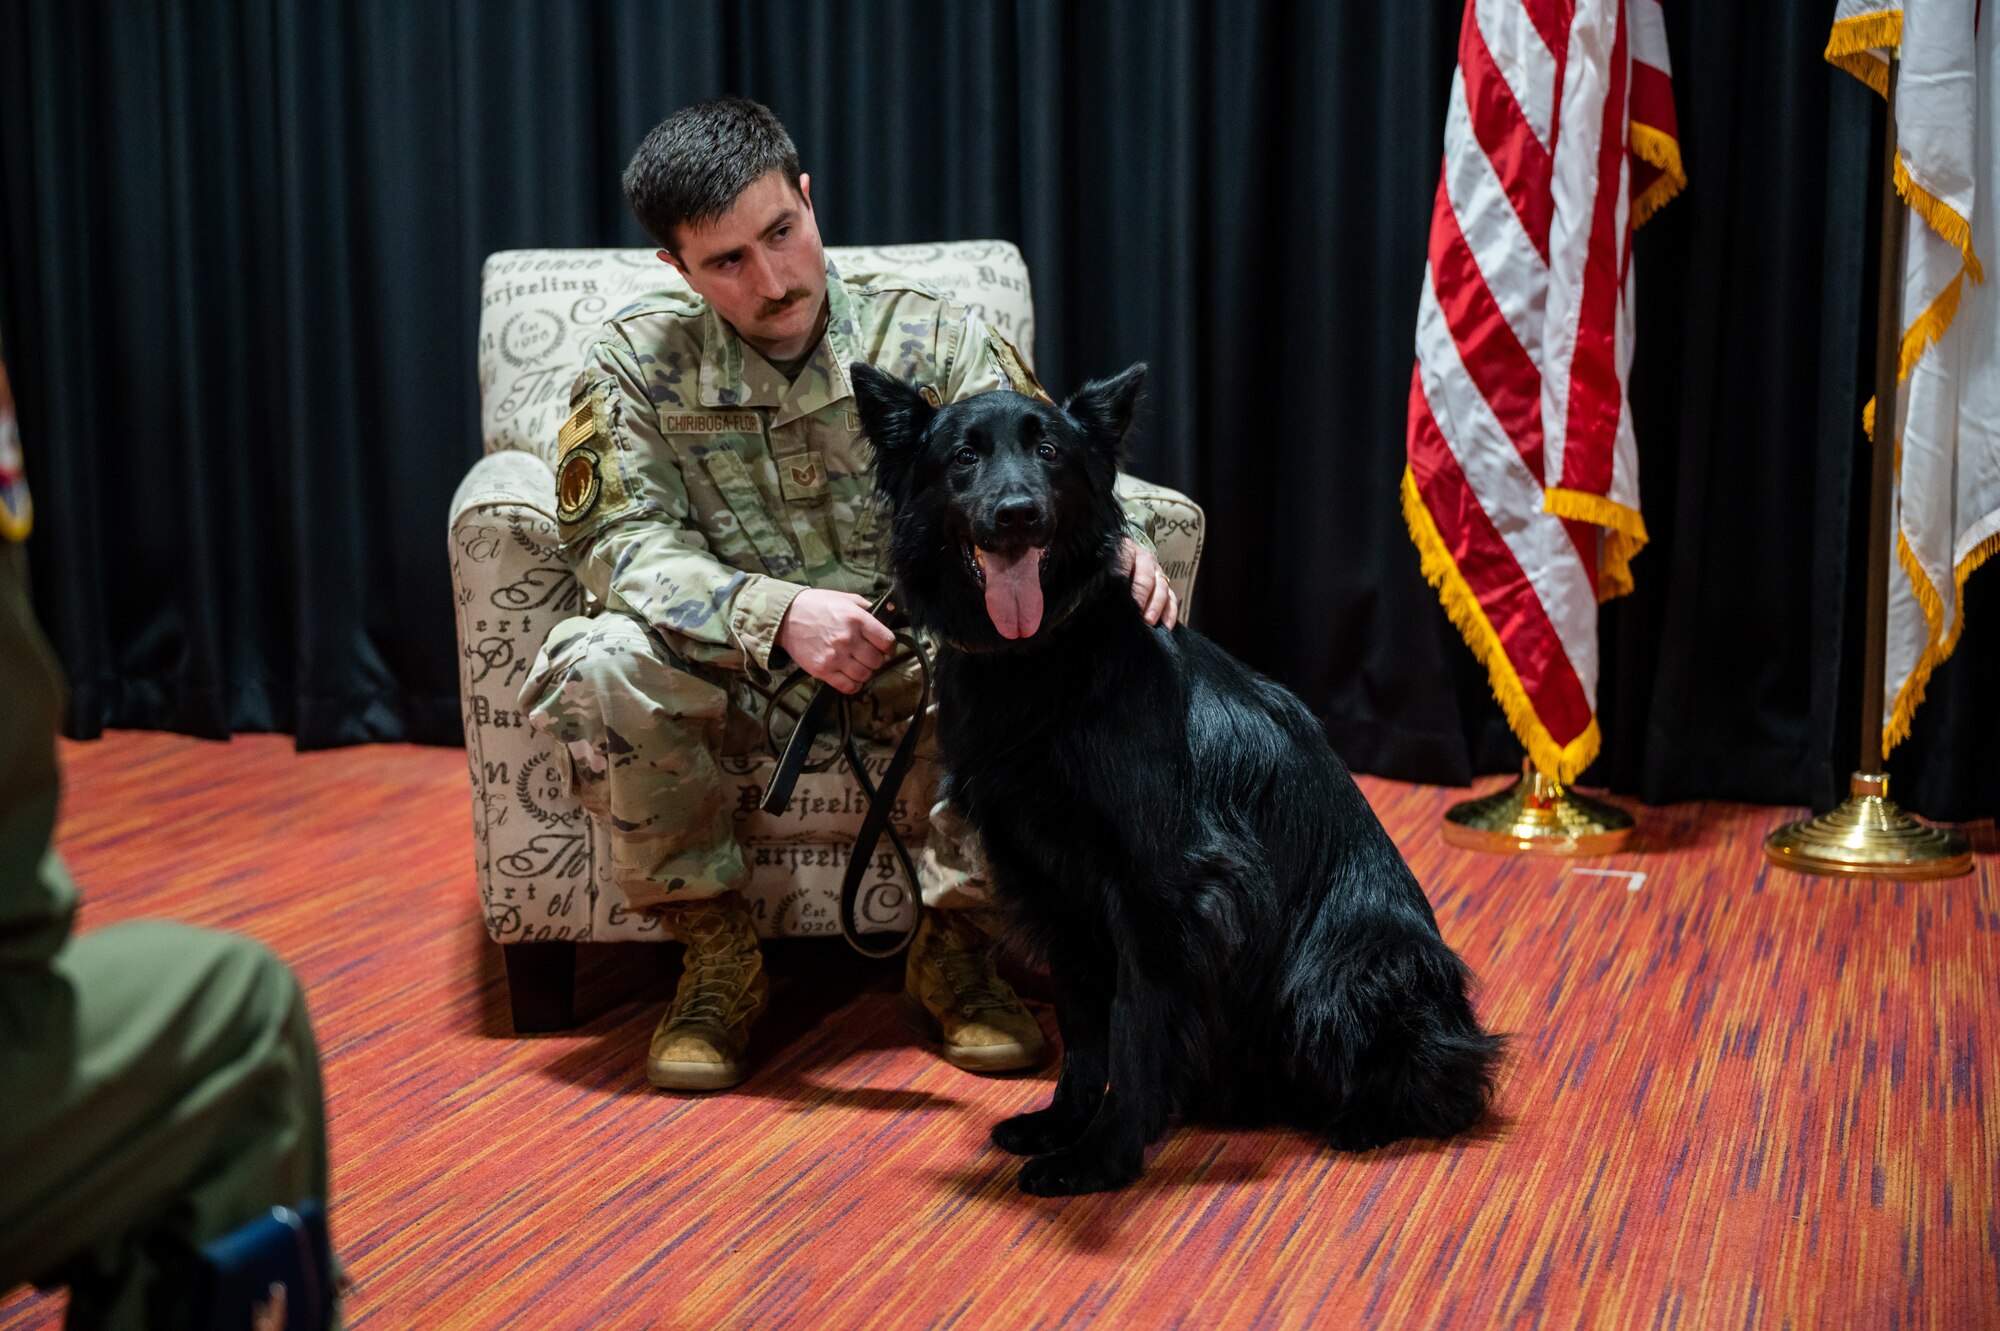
(541, 985)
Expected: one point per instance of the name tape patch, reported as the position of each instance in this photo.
(711, 422)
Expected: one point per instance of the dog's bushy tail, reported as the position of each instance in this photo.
(1387, 1043)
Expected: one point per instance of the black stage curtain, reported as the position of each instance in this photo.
(240, 242)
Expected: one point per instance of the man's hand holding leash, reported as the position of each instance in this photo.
(833, 637)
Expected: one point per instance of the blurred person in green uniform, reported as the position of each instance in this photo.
(159, 1085)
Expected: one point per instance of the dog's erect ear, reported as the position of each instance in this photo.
(893, 416)
(1105, 408)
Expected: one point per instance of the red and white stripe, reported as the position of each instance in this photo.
(1524, 338)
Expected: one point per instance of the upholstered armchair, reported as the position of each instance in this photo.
(542, 882)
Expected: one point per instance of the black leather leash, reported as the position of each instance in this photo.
(827, 703)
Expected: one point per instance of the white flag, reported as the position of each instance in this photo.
(1947, 503)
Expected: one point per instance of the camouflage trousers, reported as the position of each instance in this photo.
(646, 734)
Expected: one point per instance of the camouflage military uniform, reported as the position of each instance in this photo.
(698, 493)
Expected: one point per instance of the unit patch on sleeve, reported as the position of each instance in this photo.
(577, 485)
(590, 482)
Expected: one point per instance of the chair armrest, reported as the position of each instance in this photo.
(508, 478)
(532, 841)
(1178, 529)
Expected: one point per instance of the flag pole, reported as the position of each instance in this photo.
(1868, 836)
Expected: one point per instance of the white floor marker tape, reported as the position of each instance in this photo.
(1633, 881)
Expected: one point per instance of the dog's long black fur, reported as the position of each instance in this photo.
(1230, 931)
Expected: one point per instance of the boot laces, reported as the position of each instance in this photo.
(708, 994)
(713, 975)
(968, 969)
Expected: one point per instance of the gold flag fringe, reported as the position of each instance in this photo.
(1663, 151)
(1853, 43)
(1940, 641)
(1559, 762)
(1940, 216)
(1625, 535)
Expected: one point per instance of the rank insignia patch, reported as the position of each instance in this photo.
(803, 476)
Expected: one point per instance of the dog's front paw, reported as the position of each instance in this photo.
(1038, 1133)
(1066, 1173)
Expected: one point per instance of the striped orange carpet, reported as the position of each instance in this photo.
(1737, 1098)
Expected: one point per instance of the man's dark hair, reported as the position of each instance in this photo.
(696, 162)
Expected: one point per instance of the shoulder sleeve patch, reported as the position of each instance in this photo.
(1019, 376)
(588, 480)
(577, 485)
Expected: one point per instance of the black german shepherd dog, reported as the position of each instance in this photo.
(1229, 930)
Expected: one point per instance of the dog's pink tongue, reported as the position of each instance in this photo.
(1014, 592)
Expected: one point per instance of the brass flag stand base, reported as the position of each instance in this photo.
(1536, 816)
(1869, 837)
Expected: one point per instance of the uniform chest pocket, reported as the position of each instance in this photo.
(802, 477)
(858, 517)
(746, 502)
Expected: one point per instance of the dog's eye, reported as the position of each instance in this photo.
(1047, 452)
(966, 455)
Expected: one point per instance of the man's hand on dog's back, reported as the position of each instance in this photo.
(1150, 588)
(833, 638)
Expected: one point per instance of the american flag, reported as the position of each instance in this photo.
(1522, 489)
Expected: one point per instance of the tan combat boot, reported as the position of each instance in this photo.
(950, 992)
(700, 1043)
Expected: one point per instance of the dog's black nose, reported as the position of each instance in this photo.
(1015, 513)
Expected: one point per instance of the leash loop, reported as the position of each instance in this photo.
(795, 758)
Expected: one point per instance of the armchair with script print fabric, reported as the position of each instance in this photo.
(543, 882)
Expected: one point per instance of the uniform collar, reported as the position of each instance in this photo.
(734, 375)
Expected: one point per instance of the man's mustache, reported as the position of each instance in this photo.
(779, 306)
